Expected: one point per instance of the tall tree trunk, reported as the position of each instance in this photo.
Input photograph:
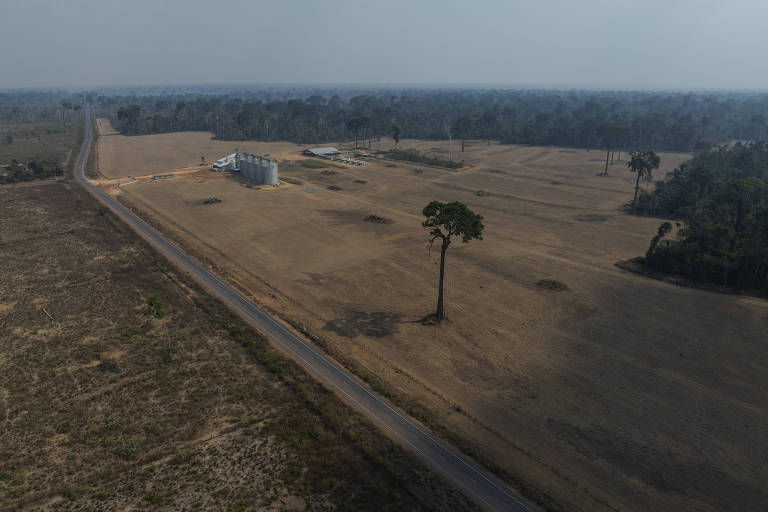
(607, 153)
(637, 185)
(440, 314)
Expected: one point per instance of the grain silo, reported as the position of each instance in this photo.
(246, 166)
(260, 169)
(269, 176)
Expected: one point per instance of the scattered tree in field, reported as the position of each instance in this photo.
(445, 221)
(607, 132)
(9, 139)
(449, 132)
(462, 129)
(397, 132)
(643, 163)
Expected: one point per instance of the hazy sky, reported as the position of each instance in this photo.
(622, 44)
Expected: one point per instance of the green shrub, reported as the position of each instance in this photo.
(155, 307)
(129, 448)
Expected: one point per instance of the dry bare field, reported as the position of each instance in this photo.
(619, 393)
(123, 386)
(120, 156)
(42, 141)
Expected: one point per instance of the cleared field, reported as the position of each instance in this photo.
(619, 392)
(42, 141)
(124, 386)
(120, 156)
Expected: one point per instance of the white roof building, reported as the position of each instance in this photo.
(322, 151)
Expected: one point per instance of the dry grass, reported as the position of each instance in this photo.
(45, 141)
(617, 392)
(124, 386)
(121, 156)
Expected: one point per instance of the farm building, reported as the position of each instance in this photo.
(227, 163)
(261, 169)
(321, 152)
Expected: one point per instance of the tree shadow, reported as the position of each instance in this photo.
(376, 324)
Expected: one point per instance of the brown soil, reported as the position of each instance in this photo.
(107, 404)
(622, 393)
(121, 156)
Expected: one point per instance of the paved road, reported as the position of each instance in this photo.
(483, 488)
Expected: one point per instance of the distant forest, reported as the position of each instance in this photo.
(722, 198)
(651, 120)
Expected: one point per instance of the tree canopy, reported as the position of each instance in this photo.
(642, 163)
(721, 196)
(629, 120)
(445, 221)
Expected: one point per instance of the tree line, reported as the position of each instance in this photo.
(605, 119)
(721, 197)
(36, 169)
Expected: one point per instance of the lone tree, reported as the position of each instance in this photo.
(643, 163)
(397, 132)
(444, 221)
(462, 128)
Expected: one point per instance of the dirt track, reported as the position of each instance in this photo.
(646, 395)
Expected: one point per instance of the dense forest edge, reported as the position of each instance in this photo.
(720, 199)
(577, 118)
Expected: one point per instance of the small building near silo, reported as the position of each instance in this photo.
(227, 163)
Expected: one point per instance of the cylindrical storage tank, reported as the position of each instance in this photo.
(244, 165)
(258, 170)
(249, 167)
(270, 172)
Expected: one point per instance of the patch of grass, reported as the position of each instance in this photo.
(182, 455)
(71, 491)
(415, 156)
(154, 498)
(155, 307)
(129, 332)
(128, 448)
(166, 354)
(317, 164)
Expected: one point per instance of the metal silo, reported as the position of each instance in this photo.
(248, 170)
(244, 165)
(269, 176)
(259, 170)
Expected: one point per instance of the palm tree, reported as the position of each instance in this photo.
(643, 163)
